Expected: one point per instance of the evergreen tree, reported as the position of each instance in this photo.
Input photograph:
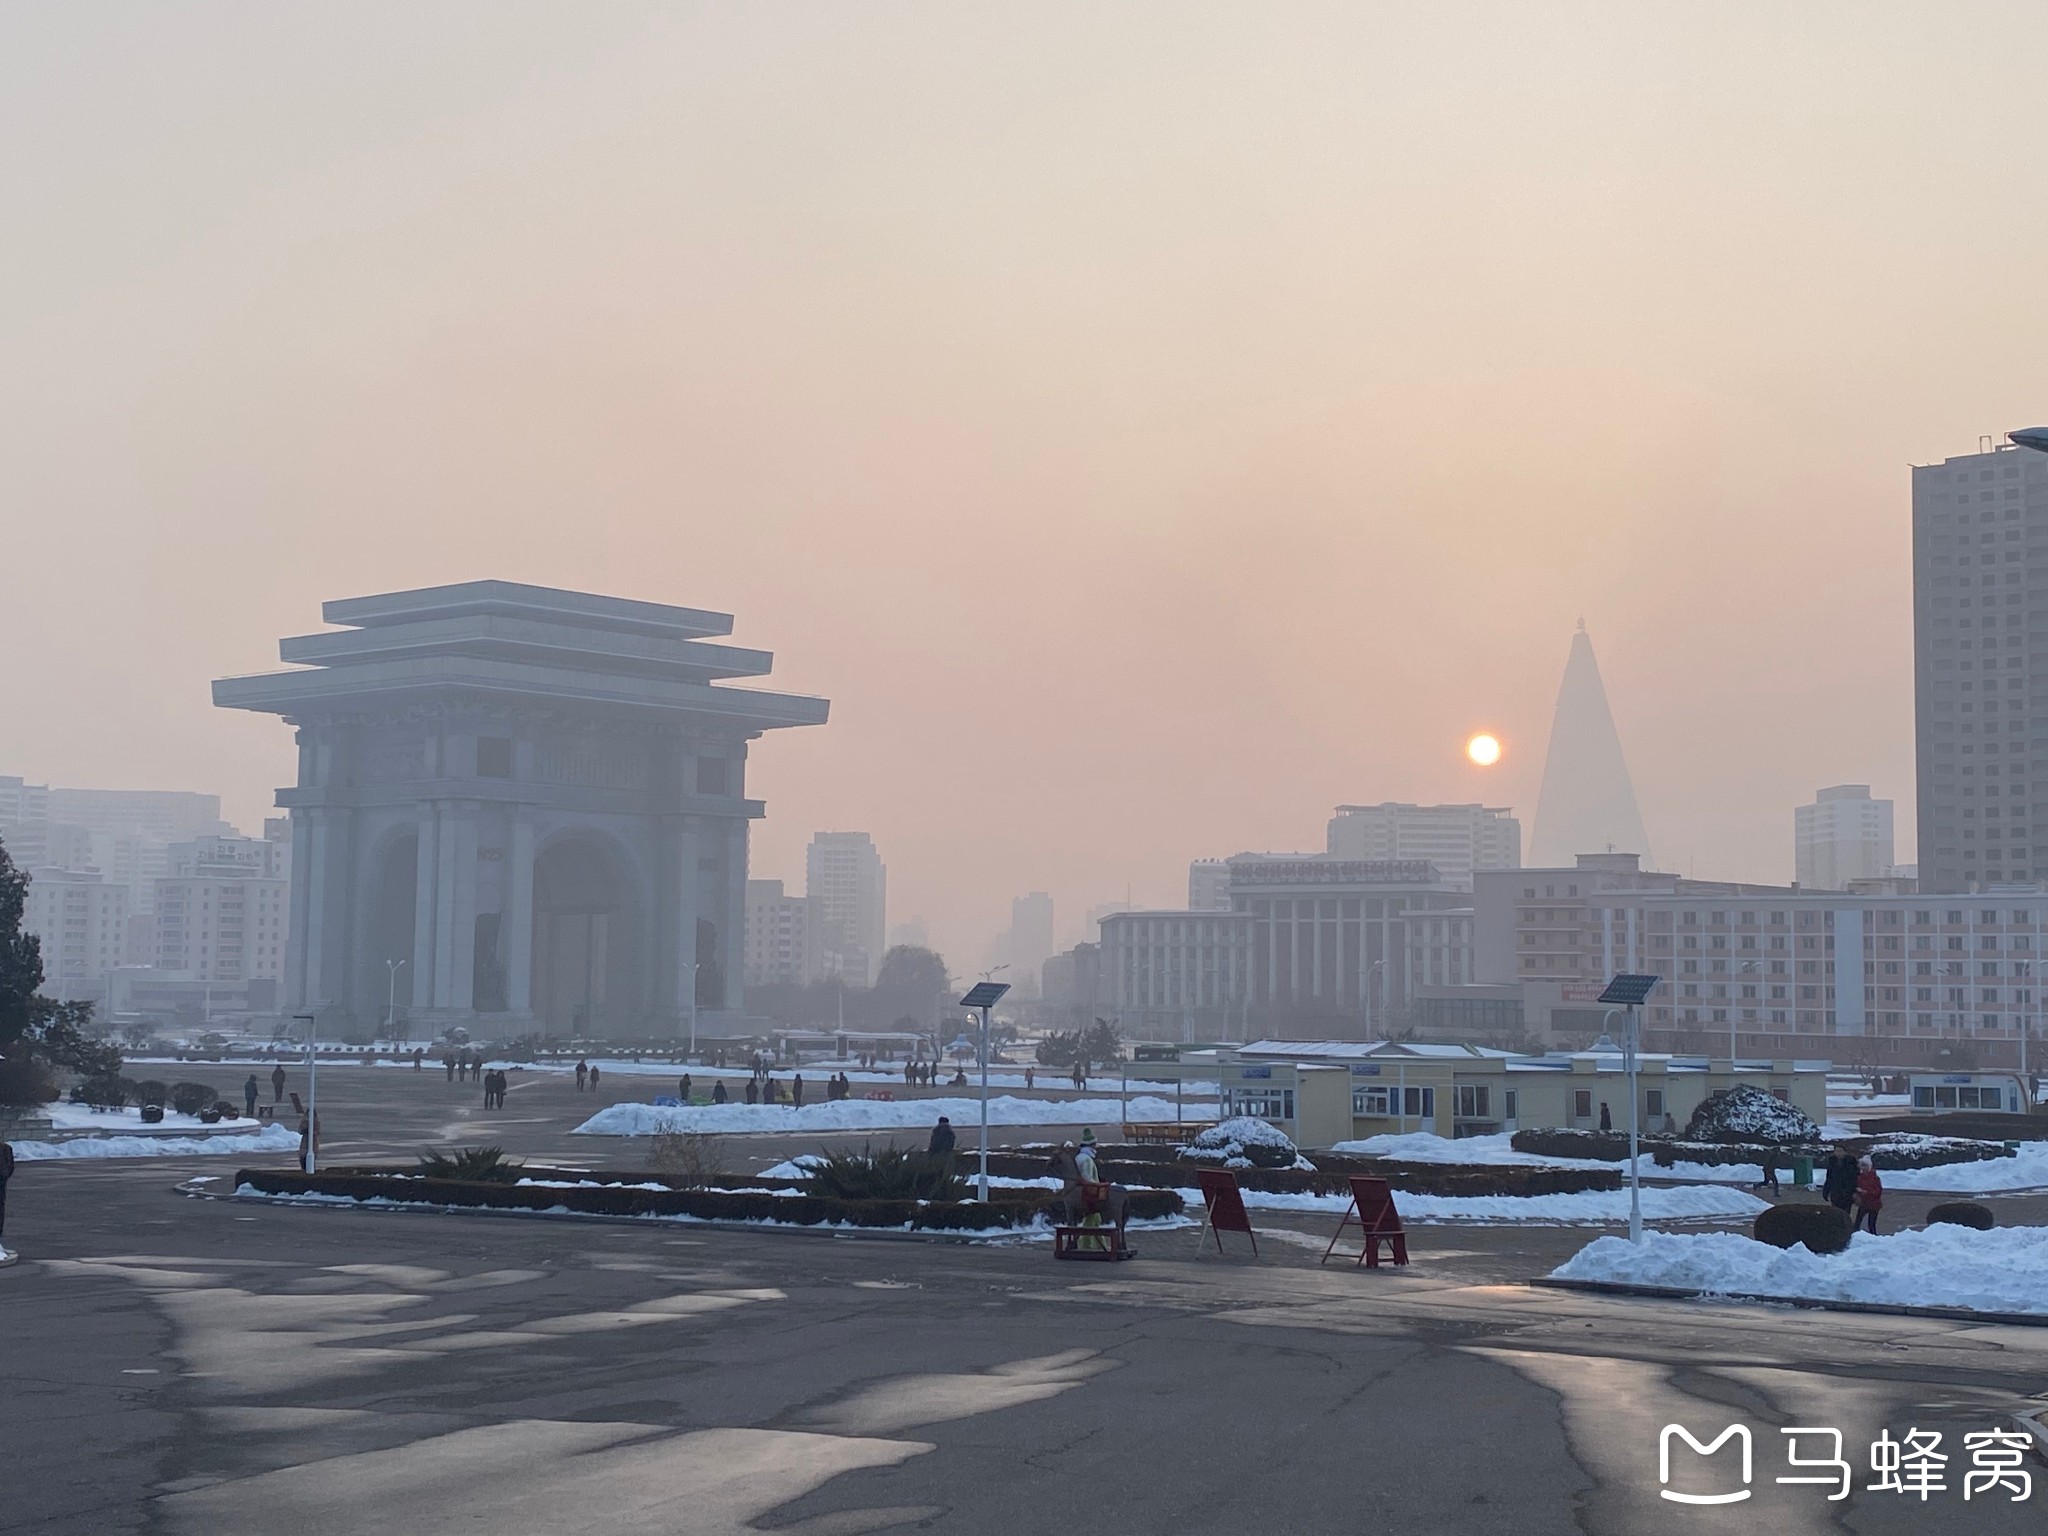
(37, 1033)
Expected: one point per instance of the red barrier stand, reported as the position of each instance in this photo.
(1372, 1205)
(1226, 1205)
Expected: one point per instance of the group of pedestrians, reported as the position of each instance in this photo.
(464, 1066)
(1851, 1185)
(494, 1089)
(587, 1075)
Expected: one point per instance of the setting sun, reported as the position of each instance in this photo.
(1483, 750)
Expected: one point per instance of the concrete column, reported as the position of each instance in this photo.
(299, 937)
(444, 908)
(677, 946)
(462, 918)
(426, 890)
(319, 907)
(732, 928)
(519, 914)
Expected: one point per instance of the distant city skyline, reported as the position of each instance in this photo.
(1236, 444)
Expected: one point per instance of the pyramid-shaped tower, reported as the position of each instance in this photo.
(1588, 804)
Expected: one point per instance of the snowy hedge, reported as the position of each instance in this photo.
(1746, 1114)
(1243, 1142)
(1016, 1210)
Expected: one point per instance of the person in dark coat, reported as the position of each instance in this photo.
(796, 1091)
(277, 1082)
(718, 1093)
(1770, 1169)
(249, 1092)
(1838, 1188)
(753, 1091)
(1606, 1119)
(6, 1173)
(582, 1075)
(943, 1138)
(448, 1061)
(684, 1095)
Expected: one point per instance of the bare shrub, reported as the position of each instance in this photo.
(690, 1157)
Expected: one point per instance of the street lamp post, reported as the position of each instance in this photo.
(981, 997)
(391, 1001)
(312, 1094)
(1628, 991)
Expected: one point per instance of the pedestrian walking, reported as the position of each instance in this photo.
(419, 1059)
(582, 1075)
(6, 1173)
(753, 1091)
(943, 1139)
(249, 1092)
(1027, 1079)
(909, 1073)
(1869, 1196)
(1770, 1179)
(277, 1082)
(309, 1143)
(1606, 1118)
(1838, 1186)
(593, 1077)
(684, 1094)
(796, 1091)
(718, 1093)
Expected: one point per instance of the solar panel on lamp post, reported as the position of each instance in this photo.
(1628, 990)
(982, 996)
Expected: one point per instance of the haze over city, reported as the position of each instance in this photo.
(1150, 428)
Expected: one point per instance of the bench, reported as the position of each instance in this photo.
(1169, 1133)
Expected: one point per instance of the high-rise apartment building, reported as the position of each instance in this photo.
(165, 815)
(1208, 886)
(1980, 681)
(82, 923)
(1031, 938)
(846, 884)
(25, 821)
(1457, 839)
(223, 913)
(1843, 836)
(778, 949)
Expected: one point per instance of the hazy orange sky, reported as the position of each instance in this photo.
(1150, 425)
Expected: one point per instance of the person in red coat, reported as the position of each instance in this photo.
(1869, 1196)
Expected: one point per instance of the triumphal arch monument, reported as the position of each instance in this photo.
(518, 808)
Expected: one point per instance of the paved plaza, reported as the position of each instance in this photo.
(183, 1365)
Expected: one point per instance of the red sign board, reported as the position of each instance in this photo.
(1226, 1205)
(1372, 1206)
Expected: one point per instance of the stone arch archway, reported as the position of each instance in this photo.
(586, 938)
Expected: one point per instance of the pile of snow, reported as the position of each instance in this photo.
(1245, 1142)
(2026, 1169)
(868, 1115)
(1428, 1147)
(2005, 1270)
(272, 1138)
(128, 1121)
(1593, 1208)
(1749, 1114)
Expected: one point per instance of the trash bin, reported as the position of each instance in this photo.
(1802, 1172)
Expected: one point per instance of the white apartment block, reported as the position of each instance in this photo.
(847, 887)
(778, 941)
(82, 923)
(24, 821)
(220, 924)
(1457, 839)
(1843, 836)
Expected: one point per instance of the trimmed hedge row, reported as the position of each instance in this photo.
(1982, 1127)
(1414, 1178)
(706, 1204)
(1886, 1152)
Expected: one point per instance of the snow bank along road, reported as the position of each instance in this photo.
(2004, 1270)
(272, 1138)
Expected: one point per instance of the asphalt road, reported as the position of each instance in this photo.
(176, 1365)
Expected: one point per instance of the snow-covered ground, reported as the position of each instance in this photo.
(1428, 1147)
(1600, 1207)
(2005, 1270)
(870, 1115)
(127, 1121)
(272, 1138)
